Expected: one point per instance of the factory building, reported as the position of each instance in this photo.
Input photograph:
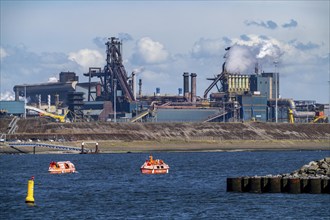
(110, 94)
(266, 84)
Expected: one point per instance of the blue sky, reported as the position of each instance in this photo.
(163, 39)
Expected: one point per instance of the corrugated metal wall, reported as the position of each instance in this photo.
(253, 107)
(184, 115)
(13, 107)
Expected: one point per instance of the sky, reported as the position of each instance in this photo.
(163, 39)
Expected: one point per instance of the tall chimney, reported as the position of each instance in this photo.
(133, 85)
(193, 87)
(186, 85)
(140, 87)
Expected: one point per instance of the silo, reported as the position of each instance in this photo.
(229, 84)
(247, 83)
(239, 83)
(236, 83)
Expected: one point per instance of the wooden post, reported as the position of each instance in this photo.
(255, 185)
(275, 184)
(315, 185)
(96, 147)
(294, 185)
(82, 147)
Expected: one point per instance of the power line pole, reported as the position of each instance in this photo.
(24, 102)
(114, 99)
(276, 92)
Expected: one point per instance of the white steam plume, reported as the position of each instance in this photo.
(239, 59)
(268, 49)
(244, 55)
(138, 69)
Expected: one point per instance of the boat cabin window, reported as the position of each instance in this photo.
(158, 167)
(162, 167)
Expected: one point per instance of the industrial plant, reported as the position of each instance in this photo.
(109, 93)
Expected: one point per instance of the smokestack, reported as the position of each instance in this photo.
(133, 85)
(57, 101)
(186, 85)
(140, 87)
(98, 89)
(16, 94)
(256, 68)
(193, 87)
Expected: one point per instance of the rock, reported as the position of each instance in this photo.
(324, 166)
(327, 159)
(320, 168)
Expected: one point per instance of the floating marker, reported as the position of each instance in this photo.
(29, 198)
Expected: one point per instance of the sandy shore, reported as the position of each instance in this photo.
(177, 146)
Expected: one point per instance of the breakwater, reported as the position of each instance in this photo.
(311, 178)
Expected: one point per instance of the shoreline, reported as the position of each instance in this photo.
(178, 146)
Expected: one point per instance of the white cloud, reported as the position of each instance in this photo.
(7, 96)
(151, 76)
(155, 79)
(207, 48)
(148, 51)
(3, 53)
(24, 66)
(87, 58)
(303, 50)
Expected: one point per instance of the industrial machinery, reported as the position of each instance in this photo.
(114, 80)
(60, 118)
(112, 95)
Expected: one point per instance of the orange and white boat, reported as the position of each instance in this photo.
(61, 167)
(152, 166)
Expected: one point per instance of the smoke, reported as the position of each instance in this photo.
(125, 37)
(270, 50)
(245, 54)
(138, 69)
(52, 79)
(239, 59)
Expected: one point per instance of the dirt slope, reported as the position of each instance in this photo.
(44, 130)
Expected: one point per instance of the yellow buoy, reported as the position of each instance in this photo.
(29, 198)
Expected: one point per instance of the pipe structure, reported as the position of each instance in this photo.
(193, 87)
(292, 106)
(186, 85)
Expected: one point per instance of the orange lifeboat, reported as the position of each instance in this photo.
(61, 167)
(152, 166)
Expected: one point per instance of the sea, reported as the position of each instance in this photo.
(110, 186)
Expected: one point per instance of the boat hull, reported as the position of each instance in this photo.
(61, 171)
(154, 171)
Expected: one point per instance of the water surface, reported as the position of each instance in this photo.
(110, 186)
